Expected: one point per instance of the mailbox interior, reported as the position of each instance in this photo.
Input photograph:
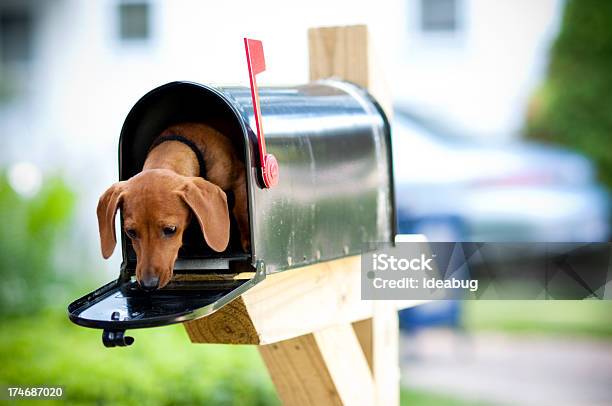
(204, 280)
(175, 103)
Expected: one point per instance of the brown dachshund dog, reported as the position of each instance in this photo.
(158, 203)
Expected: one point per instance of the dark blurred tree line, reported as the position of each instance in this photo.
(574, 105)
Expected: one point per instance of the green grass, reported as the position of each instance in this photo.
(410, 397)
(587, 318)
(164, 368)
(161, 368)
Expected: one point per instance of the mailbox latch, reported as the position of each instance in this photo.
(116, 338)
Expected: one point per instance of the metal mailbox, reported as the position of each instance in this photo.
(332, 143)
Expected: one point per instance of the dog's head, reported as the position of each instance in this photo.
(157, 206)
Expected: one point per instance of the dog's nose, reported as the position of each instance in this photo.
(150, 283)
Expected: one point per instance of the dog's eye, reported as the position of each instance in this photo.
(131, 233)
(169, 230)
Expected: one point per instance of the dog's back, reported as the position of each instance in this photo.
(223, 166)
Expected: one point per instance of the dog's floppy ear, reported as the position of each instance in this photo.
(107, 209)
(209, 204)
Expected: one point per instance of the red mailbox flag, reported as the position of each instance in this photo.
(257, 64)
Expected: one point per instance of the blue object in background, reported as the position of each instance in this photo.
(441, 313)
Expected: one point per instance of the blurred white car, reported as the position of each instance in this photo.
(451, 188)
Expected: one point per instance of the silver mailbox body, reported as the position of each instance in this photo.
(335, 193)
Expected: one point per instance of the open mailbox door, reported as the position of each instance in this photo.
(122, 305)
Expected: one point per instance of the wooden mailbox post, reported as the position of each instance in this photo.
(321, 343)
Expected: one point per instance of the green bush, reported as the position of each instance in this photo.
(161, 368)
(32, 228)
(574, 107)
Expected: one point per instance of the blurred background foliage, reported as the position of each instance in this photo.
(33, 228)
(162, 368)
(573, 107)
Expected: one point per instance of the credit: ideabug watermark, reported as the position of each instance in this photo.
(514, 271)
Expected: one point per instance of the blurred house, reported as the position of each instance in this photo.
(76, 65)
(475, 62)
(72, 69)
